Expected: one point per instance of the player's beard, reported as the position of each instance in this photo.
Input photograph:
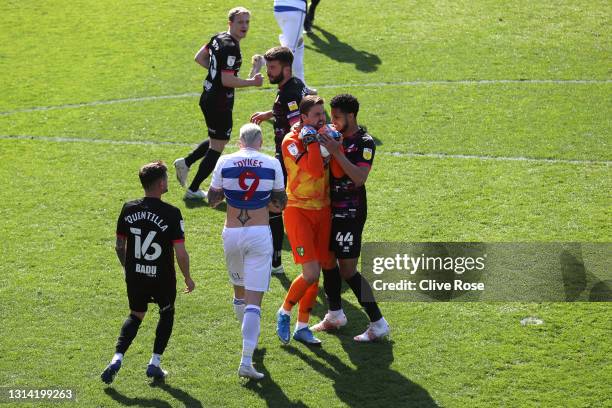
(318, 125)
(344, 125)
(277, 79)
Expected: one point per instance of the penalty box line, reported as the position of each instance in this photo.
(59, 139)
(329, 86)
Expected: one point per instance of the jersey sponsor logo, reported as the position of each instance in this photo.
(292, 106)
(367, 153)
(351, 148)
(300, 251)
(293, 149)
(231, 60)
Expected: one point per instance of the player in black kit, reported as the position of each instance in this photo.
(149, 233)
(285, 112)
(355, 154)
(222, 57)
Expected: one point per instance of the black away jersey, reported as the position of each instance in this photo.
(347, 200)
(225, 55)
(151, 228)
(286, 107)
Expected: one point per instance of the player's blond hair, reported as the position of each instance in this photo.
(235, 11)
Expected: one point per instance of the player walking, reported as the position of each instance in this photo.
(148, 231)
(222, 57)
(286, 113)
(248, 180)
(355, 156)
(310, 15)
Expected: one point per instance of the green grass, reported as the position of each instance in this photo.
(62, 299)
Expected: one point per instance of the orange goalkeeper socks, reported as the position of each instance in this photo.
(307, 302)
(296, 292)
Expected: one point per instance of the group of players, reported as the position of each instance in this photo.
(315, 184)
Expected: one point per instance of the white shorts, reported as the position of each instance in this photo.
(248, 256)
(291, 24)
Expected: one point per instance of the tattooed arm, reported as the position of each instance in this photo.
(215, 197)
(279, 199)
(120, 248)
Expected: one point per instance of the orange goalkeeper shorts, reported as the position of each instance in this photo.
(309, 232)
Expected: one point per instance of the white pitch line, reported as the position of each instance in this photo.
(270, 149)
(331, 86)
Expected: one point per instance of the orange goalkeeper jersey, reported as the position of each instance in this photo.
(307, 177)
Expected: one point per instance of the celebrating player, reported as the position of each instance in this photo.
(286, 113)
(148, 230)
(249, 180)
(355, 156)
(290, 16)
(307, 218)
(222, 57)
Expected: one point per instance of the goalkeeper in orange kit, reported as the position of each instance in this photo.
(307, 217)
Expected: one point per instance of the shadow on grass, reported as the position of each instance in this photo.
(135, 402)
(373, 383)
(178, 394)
(194, 203)
(329, 45)
(267, 389)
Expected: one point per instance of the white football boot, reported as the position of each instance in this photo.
(375, 331)
(182, 170)
(247, 371)
(330, 323)
(195, 195)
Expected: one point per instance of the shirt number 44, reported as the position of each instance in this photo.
(344, 239)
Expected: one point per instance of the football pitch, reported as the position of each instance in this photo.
(493, 124)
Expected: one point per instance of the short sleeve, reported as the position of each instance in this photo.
(177, 234)
(291, 105)
(279, 178)
(216, 181)
(229, 58)
(122, 227)
(366, 153)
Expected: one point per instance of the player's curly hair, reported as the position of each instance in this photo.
(280, 54)
(151, 173)
(347, 103)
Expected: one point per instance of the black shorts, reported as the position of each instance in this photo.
(219, 122)
(141, 294)
(345, 240)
